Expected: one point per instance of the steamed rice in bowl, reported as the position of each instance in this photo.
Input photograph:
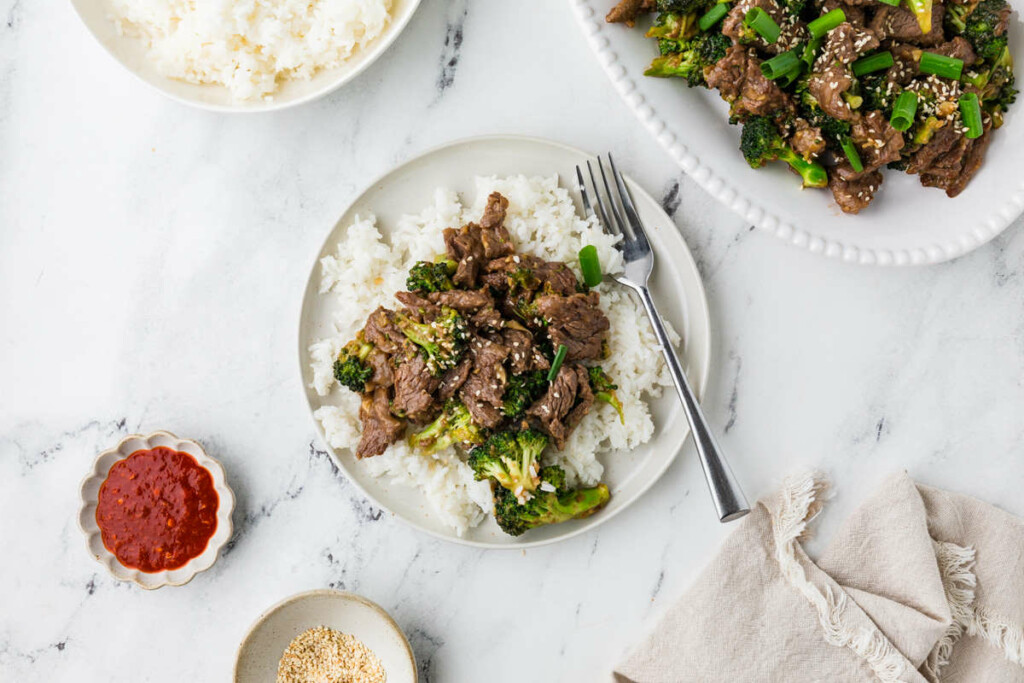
(249, 46)
(367, 269)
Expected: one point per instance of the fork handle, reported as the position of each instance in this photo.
(725, 490)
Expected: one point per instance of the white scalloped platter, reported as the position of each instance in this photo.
(907, 224)
(675, 284)
(90, 495)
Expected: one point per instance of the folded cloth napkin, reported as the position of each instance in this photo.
(920, 585)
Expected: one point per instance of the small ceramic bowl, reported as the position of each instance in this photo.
(90, 496)
(267, 639)
(131, 53)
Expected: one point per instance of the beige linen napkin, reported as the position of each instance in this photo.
(920, 585)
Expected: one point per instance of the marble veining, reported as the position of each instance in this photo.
(152, 259)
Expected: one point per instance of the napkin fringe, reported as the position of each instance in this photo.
(956, 566)
(998, 632)
(800, 500)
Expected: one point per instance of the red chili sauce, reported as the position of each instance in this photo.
(157, 509)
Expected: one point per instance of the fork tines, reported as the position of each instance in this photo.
(617, 214)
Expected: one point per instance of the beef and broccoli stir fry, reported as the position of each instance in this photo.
(495, 352)
(840, 88)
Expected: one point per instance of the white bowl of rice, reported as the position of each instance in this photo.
(245, 55)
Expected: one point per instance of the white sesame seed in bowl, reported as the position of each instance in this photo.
(325, 635)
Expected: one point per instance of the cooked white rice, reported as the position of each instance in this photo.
(367, 270)
(249, 46)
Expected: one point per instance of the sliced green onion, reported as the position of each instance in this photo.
(786, 79)
(713, 16)
(826, 22)
(893, 3)
(759, 20)
(872, 63)
(590, 266)
(850, 150)
(780, 65)
(970, 112)
(941, 65)
(811, 51)
(556, 364)
(903, 111)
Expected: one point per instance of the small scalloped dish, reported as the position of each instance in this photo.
(90, 498)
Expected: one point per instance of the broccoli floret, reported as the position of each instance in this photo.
(692, 57)
(878, 94)
(512, 459)
(793, 8)
(431, 277)
(713, 47)
(546, 507)
(554, 476)
(521, 392)
(832, 129)
(604, 390)
(454, 426)
(442, 341)
(351, 368)
(761, 142)
(684, 6)
(671, 30)
(979, 25)
(996, 83)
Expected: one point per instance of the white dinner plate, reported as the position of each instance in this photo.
(907, 224)
(261, 649)
(131, 53)
(676, 285)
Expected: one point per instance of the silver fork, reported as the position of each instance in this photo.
(639, 262)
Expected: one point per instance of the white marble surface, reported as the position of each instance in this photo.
(152, 259)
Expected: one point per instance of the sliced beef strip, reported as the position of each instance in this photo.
(552, 276)
(463, 300)
(740, 82)
(567, 400)
(899, 23)
(524, 355)
(493, 234)
(760, 96)
(483, 391)
(828, 87)
(957, 48)
(806, 140)
(627, 11)
(951, 164)
(904, 68)
(414, 390)
(487, 318)
(853, 195)
(381, 331)
(494, 213)
(465, 247)
(853, 10)
(383, 372)
(877, 141)
(454, 378)
(844, 44)
(576, 321)
(380, 428)
(416, 305)
(942, 142)
(584, 399)
(971, 163)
